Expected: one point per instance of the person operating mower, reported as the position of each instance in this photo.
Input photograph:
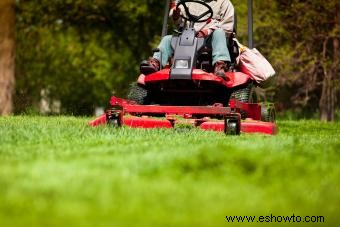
(214, 32)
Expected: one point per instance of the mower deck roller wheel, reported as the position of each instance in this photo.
(114, 118)
(232, 126)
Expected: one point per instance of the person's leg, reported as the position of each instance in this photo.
(160, 57)
(166, 50)
(219, 47)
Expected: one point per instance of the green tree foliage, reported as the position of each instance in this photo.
(81, 51)
(300, 39)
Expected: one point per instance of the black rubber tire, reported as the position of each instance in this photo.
(114, 119)
(114, 123)
(231, 127)
(138, 94)
(247, 95)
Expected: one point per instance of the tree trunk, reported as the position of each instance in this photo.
(327, 101)
(328, 98)
(7, 55)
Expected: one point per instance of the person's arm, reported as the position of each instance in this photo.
(175, 14)
(227, 18)
(227, 22)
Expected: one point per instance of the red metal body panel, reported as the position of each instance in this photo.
(163, 74)
(130, 107)
(233, 79)
(253, 109)
(206, 110)
(145, 122)
(269, 128)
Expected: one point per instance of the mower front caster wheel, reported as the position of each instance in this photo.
(114, 119)
(232, 126)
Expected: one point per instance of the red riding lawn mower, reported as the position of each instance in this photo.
(187, 92)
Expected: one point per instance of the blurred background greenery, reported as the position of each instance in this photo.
(75, 53)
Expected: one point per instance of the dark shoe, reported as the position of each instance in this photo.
(220, 68)
(149, 66)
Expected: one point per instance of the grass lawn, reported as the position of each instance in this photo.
(56, 171)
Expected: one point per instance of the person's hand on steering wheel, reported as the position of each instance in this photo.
(203, 17)
(176, 14)
(204, 33)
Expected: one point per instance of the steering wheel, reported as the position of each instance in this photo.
(195, 18)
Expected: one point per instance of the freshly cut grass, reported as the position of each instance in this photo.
(57, 171)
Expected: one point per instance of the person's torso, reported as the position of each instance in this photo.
(197, 9)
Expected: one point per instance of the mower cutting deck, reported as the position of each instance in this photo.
(217, 118)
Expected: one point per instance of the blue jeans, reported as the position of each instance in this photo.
(216, 41)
